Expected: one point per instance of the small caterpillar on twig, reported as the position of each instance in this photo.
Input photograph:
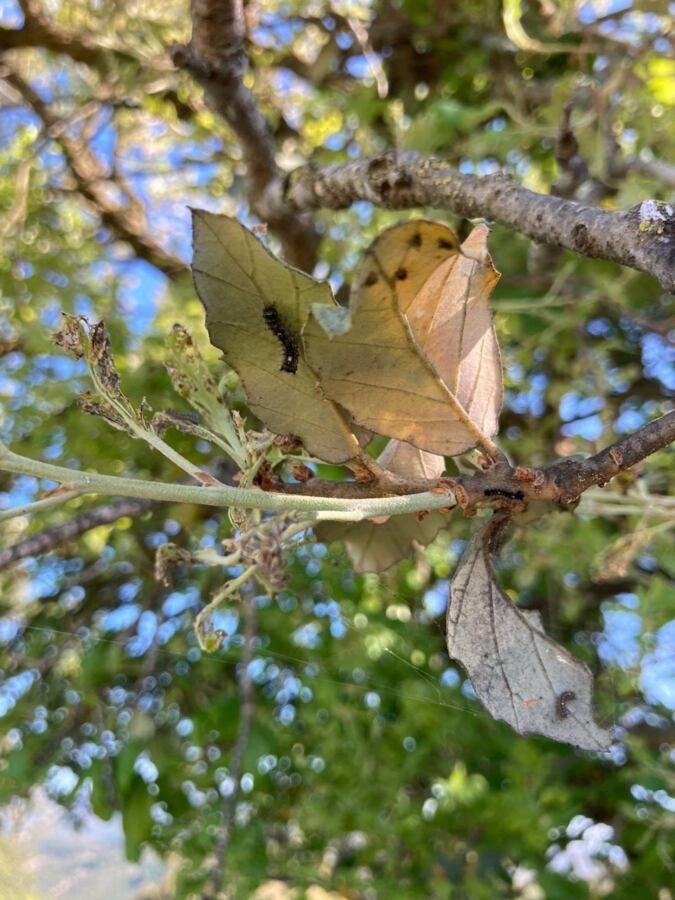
(500, 492)
(273, 321)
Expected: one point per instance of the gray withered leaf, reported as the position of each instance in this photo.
(519, 674)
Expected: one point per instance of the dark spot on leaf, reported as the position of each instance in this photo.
(401, 274)
(416, 241)
(371, 279)
(445, 244)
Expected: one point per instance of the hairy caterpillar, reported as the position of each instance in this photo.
(273, 321)
(561, 702)
(500, 492)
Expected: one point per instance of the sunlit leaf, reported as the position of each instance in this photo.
(369, 358)
(451, 319)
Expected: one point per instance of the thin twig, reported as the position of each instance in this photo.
(222, 496)
(372, 59)
(17, 212)
(57, 498)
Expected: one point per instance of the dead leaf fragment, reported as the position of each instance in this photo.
(374, 547)
(377, 544)
(519, 674)
(409, 462)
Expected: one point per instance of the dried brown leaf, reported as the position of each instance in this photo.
(370, 359)
(376, 547)
(69, 336)
(451, 319)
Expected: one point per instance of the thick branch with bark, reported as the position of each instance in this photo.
(217, 59)
(642, 237)
(562, 483)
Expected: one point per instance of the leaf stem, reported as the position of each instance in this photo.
(141, 431)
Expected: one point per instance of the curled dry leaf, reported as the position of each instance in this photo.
(372, 359)
(374, 547)
(451, 319)
(256, 306)
(519, 674)
(377, 544)
(69, 336)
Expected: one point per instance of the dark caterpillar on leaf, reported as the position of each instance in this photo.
(561, 703)
(289, 363)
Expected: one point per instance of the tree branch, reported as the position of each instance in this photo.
(217, 59)
(39, 32)
(54, 537)
(654, 168)
(642, 237)
(17, 211)
(502, 485)
(561, 483)
(574, 478)
(126, 221)
(222, 496)
(63, 494)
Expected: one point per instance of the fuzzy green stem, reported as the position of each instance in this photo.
(145, 434)
(220, 496)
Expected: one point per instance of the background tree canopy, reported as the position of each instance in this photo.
(329, 746)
